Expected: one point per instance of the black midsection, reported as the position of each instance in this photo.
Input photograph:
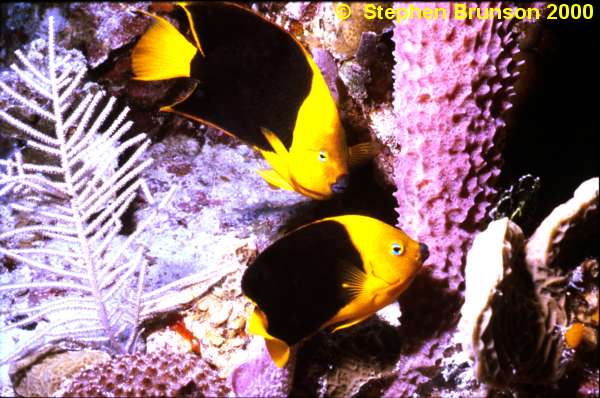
(297, 281)
(253, 75)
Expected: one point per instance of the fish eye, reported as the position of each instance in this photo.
(397, 249)
(322, 156)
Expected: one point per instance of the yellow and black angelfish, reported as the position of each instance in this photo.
(332, 273)
(258, 83)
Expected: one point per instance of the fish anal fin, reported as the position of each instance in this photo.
(274, 179)
(362, 153)
(278, 349)
(162, 52)
(349, 323)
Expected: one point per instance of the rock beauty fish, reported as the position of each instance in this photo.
(332, 273)
(256, 82)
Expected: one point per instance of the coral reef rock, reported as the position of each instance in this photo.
(104, 27)
(217, 320)
(161, 373)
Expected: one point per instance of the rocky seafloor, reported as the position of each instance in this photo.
(487, 131)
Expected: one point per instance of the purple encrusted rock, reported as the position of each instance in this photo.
(258, 376)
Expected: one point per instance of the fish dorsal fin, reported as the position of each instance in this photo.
(184, 7)
(278, 349)
(162, 52)
(362, 153)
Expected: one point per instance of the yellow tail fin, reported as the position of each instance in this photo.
(162, 52)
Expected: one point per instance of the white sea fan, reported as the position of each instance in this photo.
(79, 197)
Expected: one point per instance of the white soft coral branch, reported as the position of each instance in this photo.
(85, 194)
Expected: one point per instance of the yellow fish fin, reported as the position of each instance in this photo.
(354, 281)
(278, 160)
(362, 153)
(349, 323)
(184, 5)
(275, 180)
(278, 163)
(258, 323)
(162, 52)
(275, 142)
(278, 349)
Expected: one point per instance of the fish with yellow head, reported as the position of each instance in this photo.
(256, 82)
(330, 274)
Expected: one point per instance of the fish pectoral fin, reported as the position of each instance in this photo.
(349, 323)
(278, 349)
(162, 52)
(275, 179)
(354, 280)
(361, 153)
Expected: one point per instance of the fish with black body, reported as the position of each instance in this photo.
(329, 274)
(256, 82)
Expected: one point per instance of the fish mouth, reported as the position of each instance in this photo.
(424, 251)
(341, 184)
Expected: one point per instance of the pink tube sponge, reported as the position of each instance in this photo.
(453, 81)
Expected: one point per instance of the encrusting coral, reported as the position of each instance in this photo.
(157, 374)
